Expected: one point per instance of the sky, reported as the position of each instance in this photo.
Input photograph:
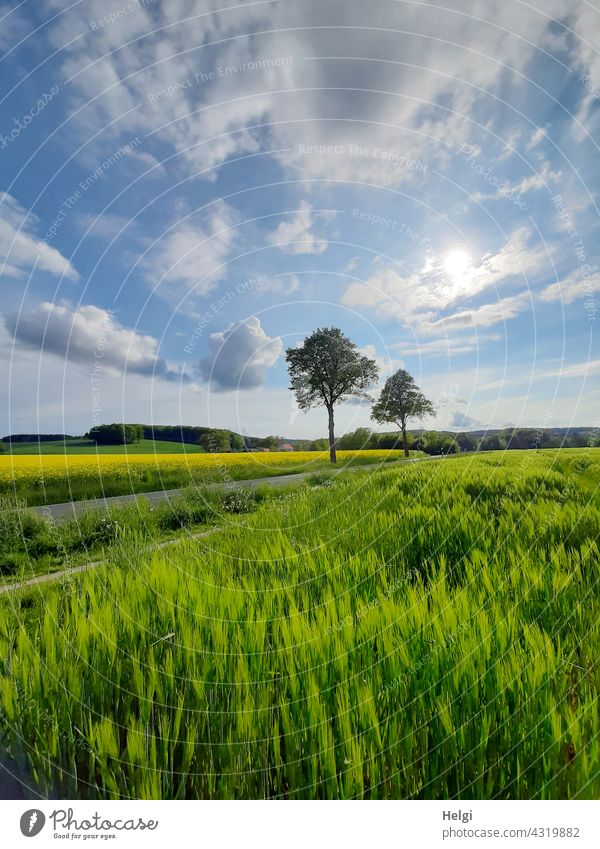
(189, 188)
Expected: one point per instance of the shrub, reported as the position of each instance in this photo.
(238, 501)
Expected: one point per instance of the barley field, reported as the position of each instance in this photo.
(421, 631)
(54, 478)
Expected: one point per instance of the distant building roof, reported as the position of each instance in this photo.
(286, 447)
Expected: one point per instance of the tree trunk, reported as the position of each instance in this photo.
(404, 439)
(332, 451)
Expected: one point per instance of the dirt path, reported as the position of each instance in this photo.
(93, 564)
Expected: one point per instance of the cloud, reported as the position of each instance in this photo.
(417, 298)
(296, 235)
(172, 82)
(483, 316)
(20, 248)
(374, 113)
(577, 370)
(444, 347)
(191, 256)
(386, 363)
(282, 284)
(575, 286)
(464, 422)
(532, 182)
(14, 26)
(88, 335)
(105, 225)
(240, 356)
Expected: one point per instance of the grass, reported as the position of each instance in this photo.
(32, 544)
(86, 446)
(425, 631)
(51, 479)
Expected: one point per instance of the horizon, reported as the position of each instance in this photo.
(70, 434)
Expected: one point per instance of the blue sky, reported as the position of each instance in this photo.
(190, 188)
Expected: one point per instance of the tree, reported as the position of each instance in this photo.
(491, 442)
(466, 442)
(357, 440)
(401, 400)
(328, 369)
(215, 441)
(387, 440)
(438, 443)
(236, 442)
(116, 434)
(270, 442)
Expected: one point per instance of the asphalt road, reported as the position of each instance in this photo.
(70, 509)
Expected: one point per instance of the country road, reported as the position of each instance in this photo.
(70, 509)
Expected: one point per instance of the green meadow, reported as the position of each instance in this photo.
(87, 446)
(421, 631)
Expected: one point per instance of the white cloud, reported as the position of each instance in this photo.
(88, 335)
(577, 370)
(445, 347)
(20, 248)
(386, 363)
(378, 103)
(418, 298)
(156, 78)
(462, 421)
(296, 236)
(532, 182)
(537, 136)
(574, 287)
(484, 316)
(240, 356)
(106, 225)
(191, 256)
(282, 284)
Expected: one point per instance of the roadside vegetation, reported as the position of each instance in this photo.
(423, 631)
(33, 544)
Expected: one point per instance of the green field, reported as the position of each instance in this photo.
(421, 631)
(86, 446)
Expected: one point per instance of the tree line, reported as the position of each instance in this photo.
(36, 437)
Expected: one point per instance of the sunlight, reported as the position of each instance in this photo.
(457, 262)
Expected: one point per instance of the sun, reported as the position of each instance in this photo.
(457, 262)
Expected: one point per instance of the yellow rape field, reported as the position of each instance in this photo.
(39, 479)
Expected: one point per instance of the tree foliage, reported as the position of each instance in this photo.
(401, 400)
(116, 434)
(360, 439)
(216, 441)
(327, 369)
